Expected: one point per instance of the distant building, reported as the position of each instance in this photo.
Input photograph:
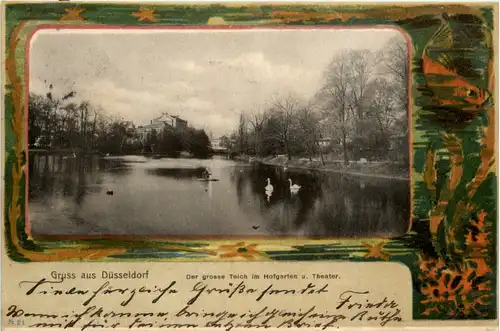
(331, 136)
(159, 124)
(399, 147)
(217, 145)
(325, 142)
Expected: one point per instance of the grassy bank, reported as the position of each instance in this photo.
(370, 169)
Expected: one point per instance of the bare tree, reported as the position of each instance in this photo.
(361, 102)
(257, 119)
(307, 124)
(285, 111)
(383, 104)
(395, 67)
(360, 66)
(336, 91)
(395, 64)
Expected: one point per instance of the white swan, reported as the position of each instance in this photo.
(294, 188)
(269, 194)
(269, 187)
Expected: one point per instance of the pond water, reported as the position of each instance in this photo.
(165, 197)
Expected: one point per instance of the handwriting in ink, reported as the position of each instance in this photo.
(351, 306)
(43, 287)
(242, 288)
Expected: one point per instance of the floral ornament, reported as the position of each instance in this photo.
(478, 244)
(376, 251)
(458, 290)
(239, 250)
(73, 14)
(464, 288)
(145, 14)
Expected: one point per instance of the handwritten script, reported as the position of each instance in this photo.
(228, 303)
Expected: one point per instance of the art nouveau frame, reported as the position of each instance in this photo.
(450, 248)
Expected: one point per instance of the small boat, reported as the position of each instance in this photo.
(206, 176)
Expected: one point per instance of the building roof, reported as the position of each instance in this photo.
(167, 115)
(163, 120)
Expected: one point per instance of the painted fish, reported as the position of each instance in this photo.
(448, 87)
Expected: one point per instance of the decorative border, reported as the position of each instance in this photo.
(450, 248)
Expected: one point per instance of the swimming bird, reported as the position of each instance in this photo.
(269, 187)
(294, 188)
(109, 192)
(268, 194)
(269, 190)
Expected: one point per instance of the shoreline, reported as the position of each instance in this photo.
(351, 173)
(332, 168)
(353, 169)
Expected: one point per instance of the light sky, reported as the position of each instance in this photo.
(206, 77)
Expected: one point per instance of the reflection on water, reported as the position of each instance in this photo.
(67, 196)
(178, 173)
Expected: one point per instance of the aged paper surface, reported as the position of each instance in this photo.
(257, 166)
(219, 295)
(311, 295)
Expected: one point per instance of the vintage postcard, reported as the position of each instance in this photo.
(249, 165)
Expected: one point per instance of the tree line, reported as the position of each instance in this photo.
(360, 111)
(171, 142)
(64, 123)
(361, 108)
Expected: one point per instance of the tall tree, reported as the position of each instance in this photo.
(242, 134)
(396, 67)
(360, 64)
(336, 92)
(360, 69)
(383, 110)
(257, 119)
(308, 134)
(200, 145)
(170, 142)
(395, 64)
(226, 143)
(285, 111)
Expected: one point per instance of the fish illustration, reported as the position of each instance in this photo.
(448, 87)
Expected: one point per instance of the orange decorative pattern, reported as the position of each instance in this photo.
(145, 14)
(240, 250)
(73, 14)
(461, 285)
(376, 251)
